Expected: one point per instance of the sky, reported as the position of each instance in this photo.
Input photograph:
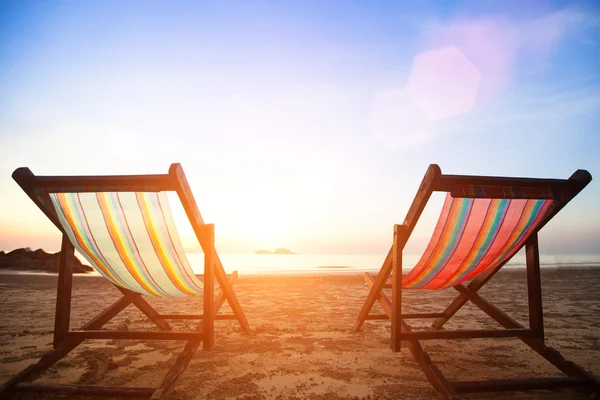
(301, 124)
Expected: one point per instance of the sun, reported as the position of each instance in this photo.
(264, 225)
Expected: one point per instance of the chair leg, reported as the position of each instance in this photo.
(375, 291)
(206, 325)
(181, 363)
(577, 376)
(165, 388)
(396, 342)
(208, 322)
(229, 294)
(433, 374)
(33, 371)
(431, 371)
(550, 354)
(63, 291)
(65, 347)
(147, 309)
(220, 298)
(534, 287)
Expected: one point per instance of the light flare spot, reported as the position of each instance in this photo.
(443, 83)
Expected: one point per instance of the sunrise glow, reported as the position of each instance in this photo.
(297, 132)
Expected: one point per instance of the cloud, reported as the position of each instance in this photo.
(491, 44)
(543, 33)
(443, 83)
(534, 111)
(560, 105)
(495, 45)
(466, 61)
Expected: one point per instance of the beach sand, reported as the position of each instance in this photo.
(301, 344)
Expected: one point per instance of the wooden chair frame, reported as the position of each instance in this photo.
(533, 336)
(65, 339)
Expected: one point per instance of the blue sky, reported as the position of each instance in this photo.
(306, 124)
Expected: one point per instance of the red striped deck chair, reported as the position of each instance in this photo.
(124, 228)
(483, 223)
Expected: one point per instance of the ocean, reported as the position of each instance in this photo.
(345, 263)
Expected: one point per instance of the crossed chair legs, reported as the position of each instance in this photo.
(92, 330)
(402, 334)
(66, 340)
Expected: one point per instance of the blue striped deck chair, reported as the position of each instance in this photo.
(124, 228)
(483, 223)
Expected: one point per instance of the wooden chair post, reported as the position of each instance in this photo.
(191, 209)
(534, 286)
(396, 289)
(208, 322)
(63, 291)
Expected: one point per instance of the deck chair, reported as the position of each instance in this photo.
(124, 228)
(483, 223)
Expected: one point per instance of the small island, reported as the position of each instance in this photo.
(25, 259)
(276, 251)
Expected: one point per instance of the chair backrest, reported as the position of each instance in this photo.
(130, 238)
(472, 236)
(484, 221)
(123, 226)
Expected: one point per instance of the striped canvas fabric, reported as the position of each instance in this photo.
(130, 239)
(472, 236)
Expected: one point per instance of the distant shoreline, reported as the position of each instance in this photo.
(318, 271)
(279, 250)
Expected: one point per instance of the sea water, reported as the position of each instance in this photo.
(346, 263)
(356, 263)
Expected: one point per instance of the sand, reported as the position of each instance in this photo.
(301, 344)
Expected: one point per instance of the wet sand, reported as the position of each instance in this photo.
(301, 344)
